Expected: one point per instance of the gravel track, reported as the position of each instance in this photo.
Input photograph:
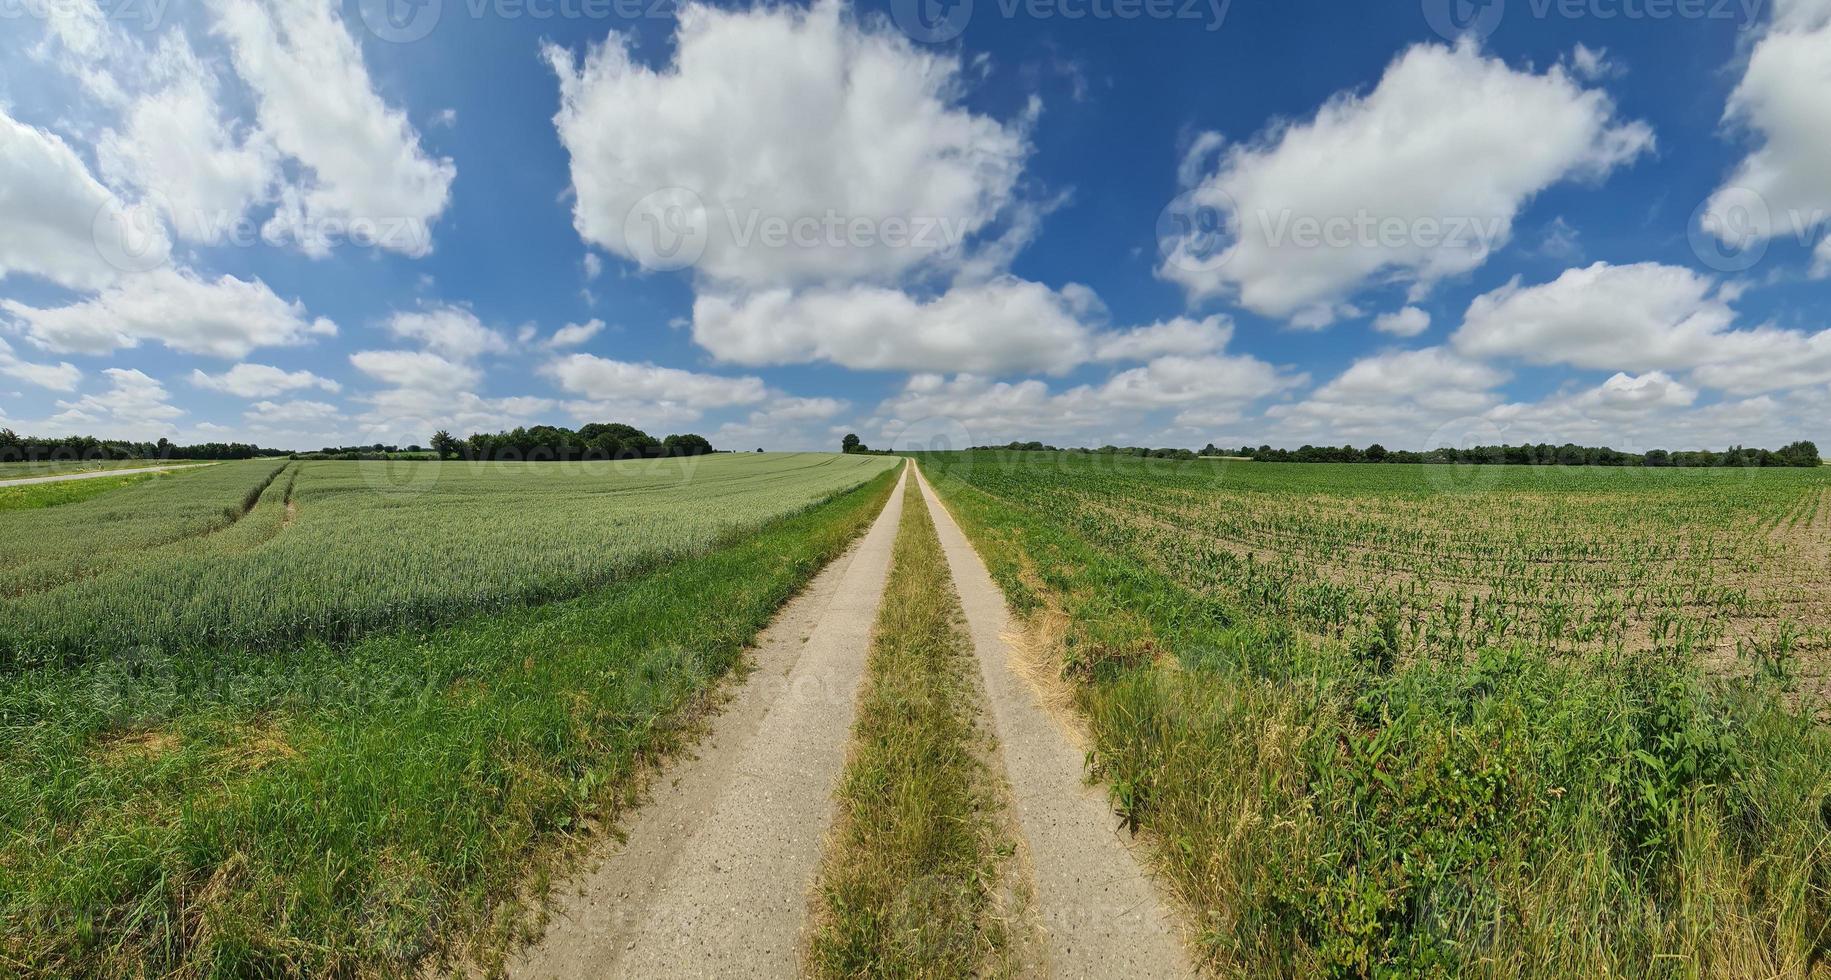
(1100, 913)
(94, 474)
(713, 879)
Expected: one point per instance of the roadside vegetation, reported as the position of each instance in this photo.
(350, 809)
(29, 470)
(1334, 786)
(36, 496)
(911, 882)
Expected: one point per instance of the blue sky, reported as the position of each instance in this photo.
(1162, 222)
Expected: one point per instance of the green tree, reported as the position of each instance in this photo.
(1800, 453)
(688, 444)
(444, 445)
(850, 444)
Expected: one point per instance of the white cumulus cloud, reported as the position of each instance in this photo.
(783, 114)
(452, 332)
(59, 222)
(1006, 325)
(574, 334)
(1645, 316)
(1782, 100)
(260, 380)
(224, 317)
(361, 164)
(1408, 322)
(1418, 180)
(416, 370)
(601, 380)
(62, 376)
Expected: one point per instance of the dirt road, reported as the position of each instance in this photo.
(93, 474)
(714, 878)
(1101, 914)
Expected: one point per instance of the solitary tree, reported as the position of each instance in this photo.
(444, 444)
(850, 444)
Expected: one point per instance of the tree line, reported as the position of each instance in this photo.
(1142, 452)
(1800, 453)
(597, 440)
(15, 448)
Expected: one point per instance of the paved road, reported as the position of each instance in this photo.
(61, 477)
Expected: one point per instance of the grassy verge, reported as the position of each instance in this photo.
(350, 811)
(910, 880)
(1341, 809)
(34, 496)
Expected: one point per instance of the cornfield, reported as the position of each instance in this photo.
(1428, 721)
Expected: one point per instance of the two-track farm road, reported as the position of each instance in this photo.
(1100, 913)
(93, 474)
(715, 878)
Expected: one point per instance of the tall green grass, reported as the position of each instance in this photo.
(350, 811)
(1343, 808)
(910, 886)
(36, 496)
